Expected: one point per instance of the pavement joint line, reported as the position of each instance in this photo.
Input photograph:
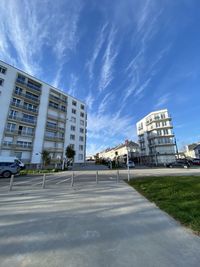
(60, 182)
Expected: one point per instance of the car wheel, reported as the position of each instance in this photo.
(6, 174)
(185, 166)
(170, 166)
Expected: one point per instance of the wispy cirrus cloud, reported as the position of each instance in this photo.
(109, 57)
(73, 84)
(98, 46)
(162, 100)
(89, 100)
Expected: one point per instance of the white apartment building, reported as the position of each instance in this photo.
(193, 151)
(121, 151)
(156, 138)
(35, 116)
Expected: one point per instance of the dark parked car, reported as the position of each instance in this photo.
(8, 168)
(178, 164)
(196, 162)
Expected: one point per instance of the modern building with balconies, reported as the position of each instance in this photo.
(36, 116)
(156, 138)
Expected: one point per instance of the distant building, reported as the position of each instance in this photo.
(156, 138)
(36, 116)
(193, 151)
(120, 151)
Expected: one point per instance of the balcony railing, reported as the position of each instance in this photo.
(13, 145)
(34, 110)
(50, 116)
(57, 98)
(17, 118)
(22, 133)
(29, 85)
(29, 97)
(55, 127)
(57, 108)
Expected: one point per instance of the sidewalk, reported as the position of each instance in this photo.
(105, 225)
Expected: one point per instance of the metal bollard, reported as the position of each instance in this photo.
(43, 182)
(72, 180)
(11, 182)
(97, 177)
(117, 176)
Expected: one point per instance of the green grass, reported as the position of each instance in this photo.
(179, 196)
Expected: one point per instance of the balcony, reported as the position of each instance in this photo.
(11, 145)
(55, 127)
(23, 107)
(26, 120)
(57, 99)
(56, 118)
(29, 97)
(18, 132)
(57, 107)
(158, 119)
(54, 138)
(159, 136)
(28, 85)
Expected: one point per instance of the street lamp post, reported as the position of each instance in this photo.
(127, 160)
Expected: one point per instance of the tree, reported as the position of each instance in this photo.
(70, 153)
(46, 159)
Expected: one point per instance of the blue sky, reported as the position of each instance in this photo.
(124, 58)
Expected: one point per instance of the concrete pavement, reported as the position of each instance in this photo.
(93, 225)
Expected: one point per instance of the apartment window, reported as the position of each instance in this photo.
(11, 127)
(82, 114)
(74, 103)
(25, 130)
(16, 101)
(24, 144)
(72, 137)
(31, 96)
(1, 82)
(73, 128)
(73, 119)
(63, 108)
(80, 156)
(81, 138)
(73, 111)
(28, 118)
(21, 78)
(81, 130)
(157, 124)
(82, 107)
(164, 123)
(18, 90)
(3, 70)
(82, 122)
(30, 107)
(51, 124)
(159, 132)
(165, 131)
(53, 104)
(13, 114)
(162, 116)
(50, 134)
(81, 147)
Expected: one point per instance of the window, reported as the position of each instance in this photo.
(31, 96)
(74, 103)
(81, 138)
(159, 132)
(73, 111)
(63, 108)
(82, 107)
(72, 137)
(81, 130)
(16, 101)
(53, 104)
(165, 131)
(80, 156)
(30, 107)
(73, 128)
(1, 82)
(162, 116)
(11, 127)
(23, 130)
(13, 114)
(18, 90)
(21, 78)
(157, 124)
(81, 122)
(24, 144)
(82, 114)
(51, 124)
(28, 118)
(73, 119)
(81, 147)
(50, 134)
(3, 70)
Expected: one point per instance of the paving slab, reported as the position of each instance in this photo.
(107, 224)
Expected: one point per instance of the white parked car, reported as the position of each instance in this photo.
(131, 164)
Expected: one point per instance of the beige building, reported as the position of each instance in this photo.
(193, 151)
(121, 151)
(156, 138)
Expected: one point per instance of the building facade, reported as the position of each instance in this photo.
(36, 116)
(193, 151)
(121, 151)
(156, 138)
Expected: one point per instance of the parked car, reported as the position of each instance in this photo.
(8, 168)
(178, 164)
(12, 160)
(196, 162)
(131, 164)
